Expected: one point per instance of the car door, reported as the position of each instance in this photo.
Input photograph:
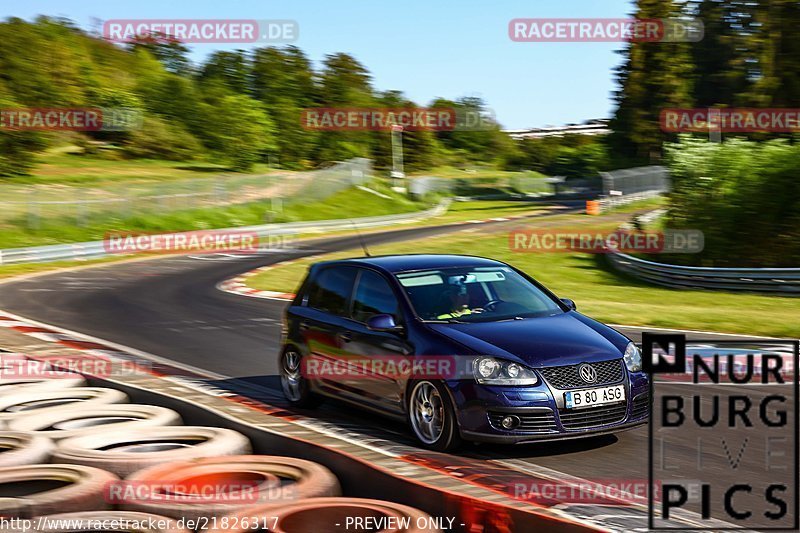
(324, 327)
(382, 385)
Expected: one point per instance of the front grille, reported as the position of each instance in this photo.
(641, 406)
(591, 417)
(567, 377)
(537, 422)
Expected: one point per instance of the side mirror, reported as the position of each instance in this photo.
(569, 303)
(383, 322)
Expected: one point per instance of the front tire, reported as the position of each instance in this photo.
(432, 417)
(295, 387)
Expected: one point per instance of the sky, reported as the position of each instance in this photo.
(425, 48)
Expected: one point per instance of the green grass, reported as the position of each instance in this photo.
(641, 205)
(599, 292)
(478, 172)
(347, 203)
(62, 167)
(352, 203)
(479, 210)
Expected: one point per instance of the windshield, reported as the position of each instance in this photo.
(481, 294)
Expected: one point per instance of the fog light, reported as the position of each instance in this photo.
(509, 422)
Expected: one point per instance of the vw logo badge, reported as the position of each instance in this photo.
(587, 373)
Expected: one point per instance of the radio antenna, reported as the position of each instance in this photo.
(361, 239)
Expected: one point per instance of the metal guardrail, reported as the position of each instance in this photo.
(97, 249)
(784, 281)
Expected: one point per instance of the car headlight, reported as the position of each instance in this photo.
(633, 358)
(491, 371)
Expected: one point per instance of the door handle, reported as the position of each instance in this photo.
(303, 326)
(346, 336)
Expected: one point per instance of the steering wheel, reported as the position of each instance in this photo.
(490, 305)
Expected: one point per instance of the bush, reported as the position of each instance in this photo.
(18, 151)
(744, 196)
(581, 162)
(17, 148)
(572, 156)
(157, 139)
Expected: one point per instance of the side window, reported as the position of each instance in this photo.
(373, 296)
(330, 292)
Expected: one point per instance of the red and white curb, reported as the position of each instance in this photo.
(54, 336)
(238, 285)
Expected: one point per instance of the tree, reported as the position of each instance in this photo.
(232, 69)
(654, 76)
(776, 51)
(283, 81)
(17, 148)
(243, 132)
(172, 53)
(476, 133)
(419, 146)
(344, 83)
(281, 75)
(725, 60)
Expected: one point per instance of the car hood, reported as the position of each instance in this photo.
(563, 339)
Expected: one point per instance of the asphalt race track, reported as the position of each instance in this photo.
(170, 307)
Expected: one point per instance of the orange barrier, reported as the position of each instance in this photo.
(592, 207)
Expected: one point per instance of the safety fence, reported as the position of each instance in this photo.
(633, 184)
(97, 249)
(483, 186)
(32, 205)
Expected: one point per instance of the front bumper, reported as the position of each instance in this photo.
(521, 438)
(542, 414)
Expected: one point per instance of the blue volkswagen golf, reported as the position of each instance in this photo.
(462, 348)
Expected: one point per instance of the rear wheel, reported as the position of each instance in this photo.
(295, 387)
(432, 417)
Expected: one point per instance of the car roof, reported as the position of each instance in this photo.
(411, 262)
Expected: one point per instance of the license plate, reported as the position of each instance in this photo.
(591, 397)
